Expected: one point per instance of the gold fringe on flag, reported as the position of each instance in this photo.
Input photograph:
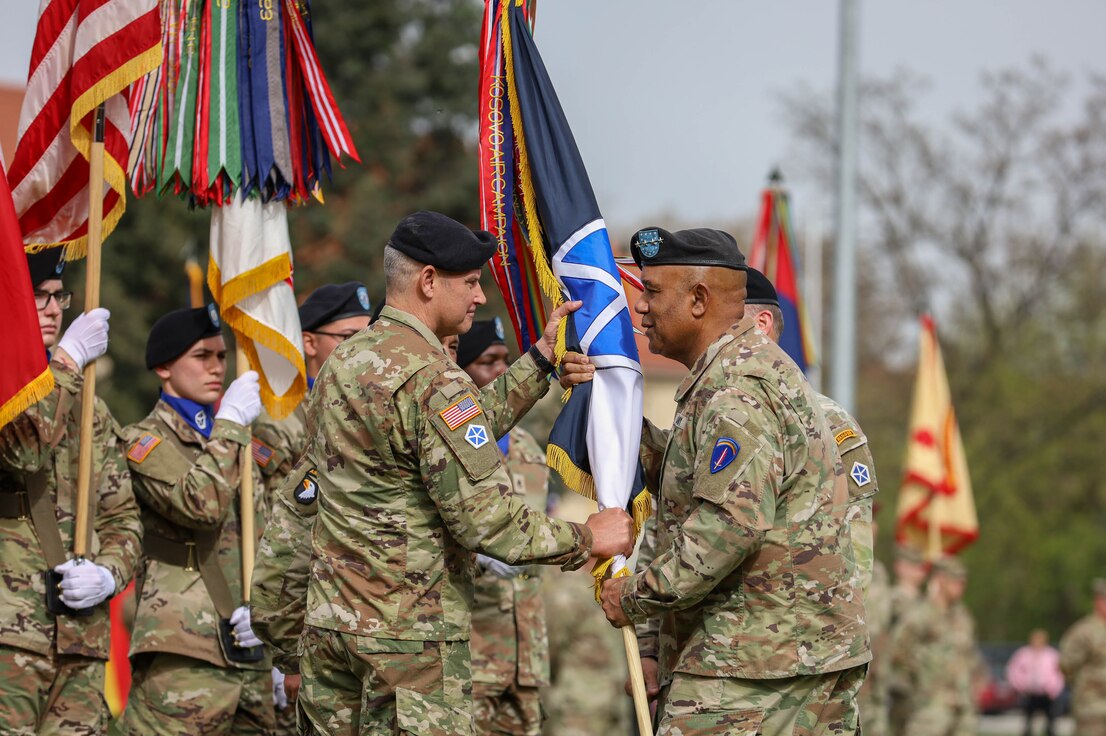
(23, 399)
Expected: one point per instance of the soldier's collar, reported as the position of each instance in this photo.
(406, 319)
(166, 413)
(736, 330)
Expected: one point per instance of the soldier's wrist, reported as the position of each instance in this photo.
(582, 551)
(543, 363)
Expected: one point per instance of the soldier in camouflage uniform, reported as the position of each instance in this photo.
(52, 667)
(906, 594)
(934, 654)
(410, 483)
(587, 665)
(329, 316)
(1083, 662)
(510, 651)
(184, 459)
(751, 514)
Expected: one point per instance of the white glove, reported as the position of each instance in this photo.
(500, 569)
(243, 634)
(87, 337)
(242, 401)
(84, 584)
(279, 696)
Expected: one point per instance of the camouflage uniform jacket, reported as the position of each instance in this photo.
(509, 640)
(277, 445)
(934, 655)
(860, 473)
(187, 483)
(281, 576)
(1083, 662)
(27, 446)
(750, 577)
(410, 483)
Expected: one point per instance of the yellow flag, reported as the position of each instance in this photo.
(936, 510)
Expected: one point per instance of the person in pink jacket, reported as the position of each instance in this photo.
(1034, 671)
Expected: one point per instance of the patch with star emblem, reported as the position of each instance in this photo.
(308, 490)
(476, 435)
(460, 411)
(860, 474)
(262, 453)
(142, 449)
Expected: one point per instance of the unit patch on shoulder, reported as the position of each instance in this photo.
(725, 452)
(308, 489)
(460, 411)
(843, 435)
(141, 449)
(262, 453)
(860, 474)
(476, 435)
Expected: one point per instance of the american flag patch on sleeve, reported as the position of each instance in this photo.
(262, 453)
(141, 449)
(460, 411)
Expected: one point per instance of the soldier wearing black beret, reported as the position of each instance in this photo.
(403, 452)
(55, 641)
(193, 644)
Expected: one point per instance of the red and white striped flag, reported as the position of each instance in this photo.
(86, 52)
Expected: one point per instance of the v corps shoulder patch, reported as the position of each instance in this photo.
(262, 453)
(142, 449)
(460, 411)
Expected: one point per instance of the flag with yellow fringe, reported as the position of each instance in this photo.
(538, 202)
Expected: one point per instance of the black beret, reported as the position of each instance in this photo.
(176, 332)
(45, 265)
(701, 246)
(333, 302)
(481, 336)
(759, 289)
(442, 242)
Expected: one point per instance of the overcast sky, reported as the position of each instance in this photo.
(674, 103)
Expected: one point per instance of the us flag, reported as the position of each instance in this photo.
(461, 412)
(86, 53)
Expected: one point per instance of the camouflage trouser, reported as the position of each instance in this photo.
(874, 706)
(173, 695)
(286, 720)
(944, 720)
(514, 710)
(813, 705)
(1090, 726)
(40, 694)
(365, 686)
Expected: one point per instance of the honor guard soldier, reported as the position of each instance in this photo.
(1083, 662)
(747, 605)
(198, 667)
(55, 630)
(330, 315)
(410, 484)
(510, 649)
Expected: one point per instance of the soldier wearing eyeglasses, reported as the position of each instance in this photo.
(52, 664)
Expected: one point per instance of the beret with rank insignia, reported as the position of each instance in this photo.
(45, 265)
(333, 302)
(701, 246)
(176, 332)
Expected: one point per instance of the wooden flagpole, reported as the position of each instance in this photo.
(637, 682)
(245, 498)
(81, 538)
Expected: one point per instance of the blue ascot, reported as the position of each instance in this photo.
(504, 444)
(310, 382)
(201, 417)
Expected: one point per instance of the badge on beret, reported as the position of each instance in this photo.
(460, 411)
(725, 452)
(262, 453)
(363, 297)
(860, 474)
(308, 490)
(142, 449)
(498, 329)
(213, 313)
(476, 435)
(843, 435)
(60, 267)
(649, 243)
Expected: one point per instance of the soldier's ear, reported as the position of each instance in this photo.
(426, 281)
(700, 295)
(309, 348)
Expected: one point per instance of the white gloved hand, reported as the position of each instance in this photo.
(84, 584)
(86, 338)
(279, 696)
(243, 634)
(242, 401)
(497, 568)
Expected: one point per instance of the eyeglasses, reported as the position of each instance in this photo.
(339, 336)
(63, 298)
